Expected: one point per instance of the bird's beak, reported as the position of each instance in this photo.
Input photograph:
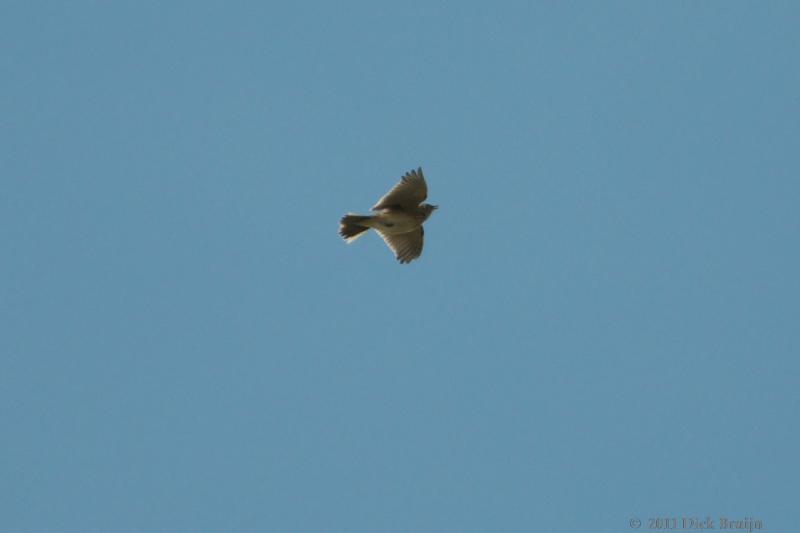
(435, 207)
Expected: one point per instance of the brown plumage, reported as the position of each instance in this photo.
(399, 218)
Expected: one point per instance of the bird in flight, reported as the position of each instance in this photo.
(398, 219)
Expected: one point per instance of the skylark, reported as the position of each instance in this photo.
(399, 218)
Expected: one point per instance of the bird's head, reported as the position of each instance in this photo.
(428, 209)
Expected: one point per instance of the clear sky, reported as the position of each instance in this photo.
(603, 326)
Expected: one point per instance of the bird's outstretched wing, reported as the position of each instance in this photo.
(406, 246)
(409, 192)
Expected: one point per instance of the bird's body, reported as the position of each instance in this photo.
(390, 221)
(398, 220)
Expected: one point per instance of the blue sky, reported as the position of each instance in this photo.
(603, 325)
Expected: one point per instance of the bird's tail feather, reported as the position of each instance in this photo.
(351, 228)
